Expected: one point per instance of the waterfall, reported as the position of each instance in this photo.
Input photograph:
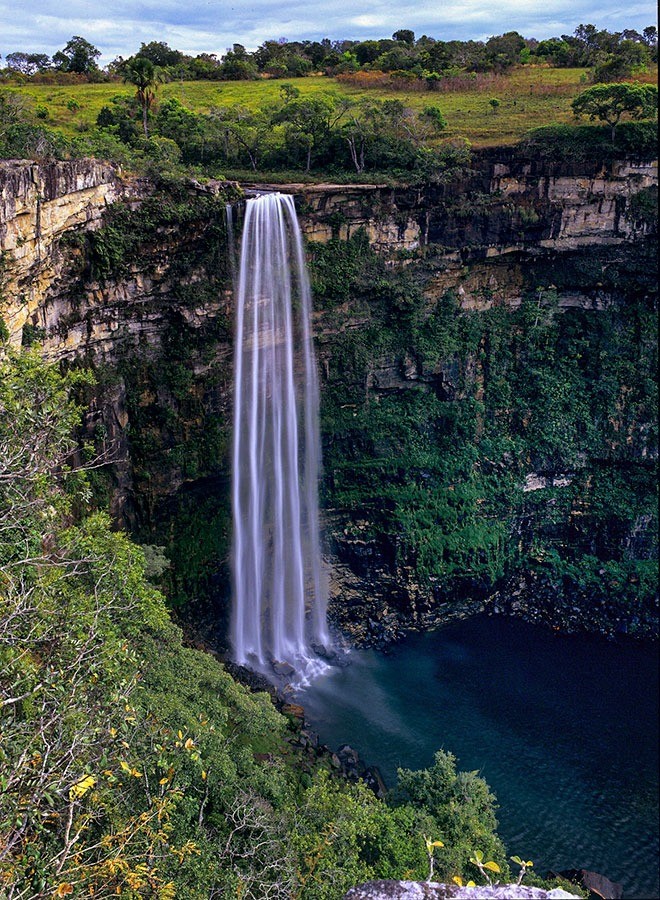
(279, 604)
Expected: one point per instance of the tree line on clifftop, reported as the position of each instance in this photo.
(612, 55)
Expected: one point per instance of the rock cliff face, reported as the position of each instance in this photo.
(136, 280)
(39, 203)
(119, 275)
(504, 208)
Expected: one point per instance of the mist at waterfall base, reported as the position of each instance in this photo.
(564, 728)
(279, 608)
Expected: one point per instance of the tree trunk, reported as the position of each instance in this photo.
(357, 162)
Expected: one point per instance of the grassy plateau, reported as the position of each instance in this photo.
(529, 97)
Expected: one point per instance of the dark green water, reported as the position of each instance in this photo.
(564, 728)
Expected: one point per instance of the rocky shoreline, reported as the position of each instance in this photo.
(526, 597)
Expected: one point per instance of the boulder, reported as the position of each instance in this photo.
(294, 710)
(374, 780)
(599, 887)
(350, 762)
(283, 669)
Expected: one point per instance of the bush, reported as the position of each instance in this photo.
(462, 809)
(579, 143)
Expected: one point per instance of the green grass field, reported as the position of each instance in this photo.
(529, 97)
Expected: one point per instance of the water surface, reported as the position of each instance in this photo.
(563, 727)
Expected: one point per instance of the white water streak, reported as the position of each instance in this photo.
(279, 607)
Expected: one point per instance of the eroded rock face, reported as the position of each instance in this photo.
(165, 417)
(416, 890)
(39, 202)
(501, 208)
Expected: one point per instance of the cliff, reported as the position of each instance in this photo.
(433, 306)
(39, 203)
(500, 208)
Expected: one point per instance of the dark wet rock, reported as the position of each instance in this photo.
(374, 780)
(256, 682)
(349, 761)
(599, 887)
(335, 656)
(534, 598)
(341, 661)
(311, 738)
(348, 754)
(282, 668)
(294, 710)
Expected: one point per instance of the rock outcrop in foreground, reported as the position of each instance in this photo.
(416, 890)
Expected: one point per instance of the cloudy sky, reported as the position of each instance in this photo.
(196, 26)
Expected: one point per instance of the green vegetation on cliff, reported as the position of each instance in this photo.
(463, 446)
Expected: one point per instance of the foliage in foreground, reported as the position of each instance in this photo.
(130, 764)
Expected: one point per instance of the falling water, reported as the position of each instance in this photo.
(279, 609)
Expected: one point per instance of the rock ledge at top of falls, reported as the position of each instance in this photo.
(424, 890)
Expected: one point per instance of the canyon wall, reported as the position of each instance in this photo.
(502, 208)
(135, 279)
(39, 204)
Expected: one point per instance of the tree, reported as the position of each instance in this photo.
(12, 111)
(609, 102)
(433, 116)
(367, 51)
(405, 35)
(206, 66)
(250, 131)
(238, 65)
(146, 77)
(650, 36)
(78, 56)
(554, 50)
(461, 805)
(307, 123)
(359, 130)
(503, 51)
(160, 54)
(27, 63)
(196, 136)
(119, 117)
(630, 57)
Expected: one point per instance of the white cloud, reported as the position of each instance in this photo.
(368, 21)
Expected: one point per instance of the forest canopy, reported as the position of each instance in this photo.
(612, 54)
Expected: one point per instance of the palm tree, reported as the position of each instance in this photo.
(146, 77)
